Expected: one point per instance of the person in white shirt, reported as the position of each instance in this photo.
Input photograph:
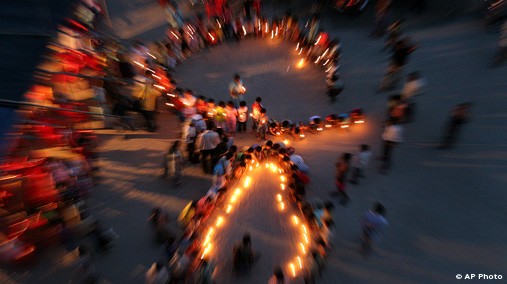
(392, 136)
(242, 116)
(237, 90)
(360, 161)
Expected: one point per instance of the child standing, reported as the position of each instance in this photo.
(230, 116)
(173, 163)
(361, 161)
(242, 116)
(220, 115)
(262, 125)
(256, 112)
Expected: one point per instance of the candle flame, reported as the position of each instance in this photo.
(220, 221)
(292, 269)
(303, 249)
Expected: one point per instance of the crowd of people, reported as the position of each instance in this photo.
(183, 261)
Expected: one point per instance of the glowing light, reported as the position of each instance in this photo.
(257, 165)
(300, 263)
(325, 52)
(237, 191)
(345, 126)
(171, 105)
(151, 70)
(297, 46)
(156, 76)
(233, 199)
(267, 165)
(329, 69)
(325, 63)
(152, 56)
(279, 197)
(206, 251)
(303, 249)
(282, 186)
(320, 128)
(359, 121)
(302, 135)
(279, 171)
(328, 125)
(208, 237)
(219, 222)
(317, 41)
(250, 168)
(295, 220)
(304, 229)
(306, 238)
(286, 142)
(276, 33)
(219, 25)
(282, 178)
(138, 64)
(211, 36)
(282, 206)
(272, 35)
(317, 61)
(247, 182)
(159, 87)
(300, 51)
(229, 209)
(244, 30)
(171, 95)
(176, 36)
(301, 63)
(292, 269)
(266, 27)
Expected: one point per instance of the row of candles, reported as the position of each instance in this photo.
(295, 265)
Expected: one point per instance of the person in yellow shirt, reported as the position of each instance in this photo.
(147, 96)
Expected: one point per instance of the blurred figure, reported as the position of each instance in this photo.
(334, 88)
(342, 169)
(360, 163)
(391, 137)
(381, 17)
(399, 58)
(501, 55)
(86, 271)
(373, 225)
(147, 96)
(243, 255)
(206, 143)
(157, 274)
(459, 116)
(414, 86)
(237, 90)
(262, 125)
(278, 277)
(242, 116)
(174, 163)
(204, 272)
(256, 112)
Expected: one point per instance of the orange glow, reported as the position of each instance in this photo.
(297, 46)
(282, 186)
(229, 209)
(295, 220)
(301, 63)
(220, 221)
(292, 269)
(303, 249)
(306, 239)
(279, 197)
(282, 178)
(282, 206)
(300, 263)
(247, 182)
